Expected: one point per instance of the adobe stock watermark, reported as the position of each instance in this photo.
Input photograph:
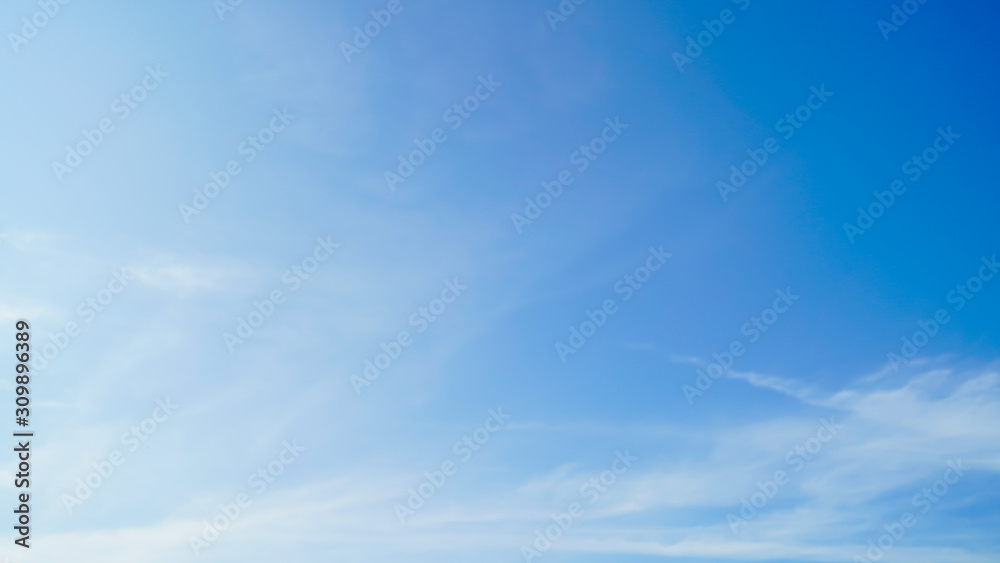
(435, 480)
(259, 481)
(122, 107)
(795, 460)
(420, 319)
(293, 278)
(925, 500)
(225, 7)
(30, 27)
(627, 286)
(563, 11)
(915, 168)
(753, 329)
(87, 310)
(592, 490)
(958, 298)
(582, 158)
(900, 15)
(363, 35)
(105, 468)
(456, 116)
(787, 126)
(713, 30)
(249, 149)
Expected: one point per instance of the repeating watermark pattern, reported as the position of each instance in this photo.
(420, 319)
(627, 286)
(293, 278)
(582, 158)
(87, 310)
(925, 500)
(31, 26)
(363, 35)
(435, 480)
(592, 491)
(914, 168)
(132, 439)
(787, 126)
(250, 149)
(563, 11)
(900, 15)
(795, 460)
(752, 329)
(958, 298)
(229, 513)
(703, 40)
(122, 107)
(764, 494)
(456, 116)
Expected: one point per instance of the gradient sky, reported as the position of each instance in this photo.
(495, 346)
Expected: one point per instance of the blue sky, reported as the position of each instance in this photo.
(484, 363)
